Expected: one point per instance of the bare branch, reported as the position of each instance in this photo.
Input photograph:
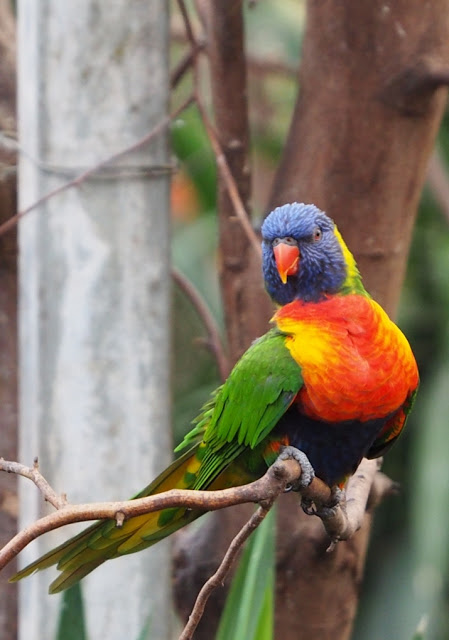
(229, 181)
(339, 525)
(214, 340)
(220, 157)
(185, 64)
(342, 521)
(266, 488)
(217, 579)
(33, 474)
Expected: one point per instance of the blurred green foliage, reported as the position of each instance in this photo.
(72, 623)
(408, 564)
(405, 592)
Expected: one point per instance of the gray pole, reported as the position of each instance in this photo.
(94, 289)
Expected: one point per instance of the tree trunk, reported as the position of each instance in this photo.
(94, 296)
(365, 121)
(241, 286)
(366, 118)
(368, 111)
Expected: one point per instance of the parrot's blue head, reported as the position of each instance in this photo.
(304, 256)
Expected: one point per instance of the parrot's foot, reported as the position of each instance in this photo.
(307, 471)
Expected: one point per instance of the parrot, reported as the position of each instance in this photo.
(332, 381)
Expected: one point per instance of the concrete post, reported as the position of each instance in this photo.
(94, 288)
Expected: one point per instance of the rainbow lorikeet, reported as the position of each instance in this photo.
(334, 378)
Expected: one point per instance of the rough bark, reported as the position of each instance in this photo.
(8, 317)
(368, 110)
(369, 107)
(241, 286)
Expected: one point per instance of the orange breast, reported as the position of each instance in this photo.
(356, 363)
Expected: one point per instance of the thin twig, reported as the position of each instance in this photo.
(217, 579)
(185, 64)
(33, 474)
(229, 181)
(187, 24)
(220, 157)
(78, 180)
(214, 340)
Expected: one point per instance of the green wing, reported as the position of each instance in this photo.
(236, 420)
(259, 390)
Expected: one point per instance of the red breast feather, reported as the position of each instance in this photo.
(356, 363)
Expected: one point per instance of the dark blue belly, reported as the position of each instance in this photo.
(334, 450)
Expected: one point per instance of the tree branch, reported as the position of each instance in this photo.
(340, 523)
(266, 488)
(224, 169)
(214, 340)
(217, 579)
(263, 491)
(33, 474)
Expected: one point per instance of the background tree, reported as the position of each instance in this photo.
(371, 96)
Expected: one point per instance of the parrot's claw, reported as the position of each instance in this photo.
(308, 506)
(307, 471)
(337, 499)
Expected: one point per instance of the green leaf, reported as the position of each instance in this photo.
(265, 625)
(145, 632)
(248, 612)
(71, 624)
(421, 629)
(191, 145)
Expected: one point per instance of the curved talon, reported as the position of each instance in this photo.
(308, 507)
(307, 471)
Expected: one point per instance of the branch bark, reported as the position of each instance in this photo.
(262, 491)
(340, 522)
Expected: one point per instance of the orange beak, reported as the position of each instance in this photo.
(287, 260)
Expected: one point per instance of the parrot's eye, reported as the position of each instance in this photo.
(317, 234)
